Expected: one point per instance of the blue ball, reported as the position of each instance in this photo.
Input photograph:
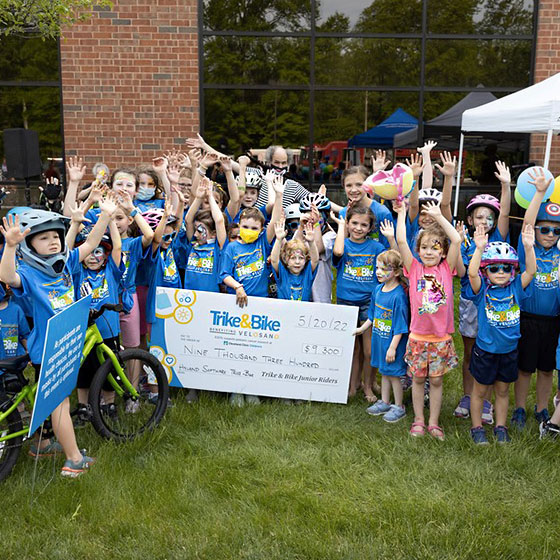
(526, 190)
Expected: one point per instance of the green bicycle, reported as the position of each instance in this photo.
(120, 410)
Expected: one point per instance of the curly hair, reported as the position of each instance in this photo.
(291, 247)
(436, 231)
(393, 259)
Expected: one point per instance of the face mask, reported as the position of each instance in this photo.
(279, 170)
(145, 193)
(249, 235)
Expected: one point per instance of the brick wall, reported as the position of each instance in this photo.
(547, 64)
(130, 81)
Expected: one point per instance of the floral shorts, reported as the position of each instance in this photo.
(431, 359)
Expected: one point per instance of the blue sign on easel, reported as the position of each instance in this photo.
(61, 359)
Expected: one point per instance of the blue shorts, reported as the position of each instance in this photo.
(487, 368)
(363, 307)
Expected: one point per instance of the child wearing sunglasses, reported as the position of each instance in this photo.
(540, 324)
(497, 292)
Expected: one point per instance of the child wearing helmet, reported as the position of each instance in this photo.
(493, 214)
(45, 279)
(540, 321)
(430, 352)
(497, 292)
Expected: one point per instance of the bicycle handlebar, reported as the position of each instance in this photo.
(94, 314)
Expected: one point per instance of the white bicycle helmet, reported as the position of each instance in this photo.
(292, 212)
(429, 195)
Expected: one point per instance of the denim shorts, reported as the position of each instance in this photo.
(363, 307)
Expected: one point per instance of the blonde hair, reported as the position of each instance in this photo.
(393, 258)
(291, 247)
(434, 230)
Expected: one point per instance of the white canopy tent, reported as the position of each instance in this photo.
(530, 110)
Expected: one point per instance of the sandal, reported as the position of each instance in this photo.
(418, 429)
(436, 432)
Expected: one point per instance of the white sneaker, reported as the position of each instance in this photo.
(252, 399)
(237, 399)
(132, 407)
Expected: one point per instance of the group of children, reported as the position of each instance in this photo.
(169, 225)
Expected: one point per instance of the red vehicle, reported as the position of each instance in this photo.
(336, 151)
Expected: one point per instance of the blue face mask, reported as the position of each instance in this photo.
(145, 193)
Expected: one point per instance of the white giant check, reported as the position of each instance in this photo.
(274, 348)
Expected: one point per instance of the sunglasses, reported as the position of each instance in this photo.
(494, 268)
(545, 230)
(292, 225)
(169, 237)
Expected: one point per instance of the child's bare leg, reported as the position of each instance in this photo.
(418, 398)
(64, 431)
(397, 389)
(436, 392)
(501, 392)
(544, 389)
(477, 397)
(468, 344)
(356, 368)
(370, 373)
(385, 389)
(521, 389)
(83, 395)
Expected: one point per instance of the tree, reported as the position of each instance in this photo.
(44, 18)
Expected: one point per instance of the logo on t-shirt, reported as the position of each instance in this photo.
(169, 266)
(546, 277)
(245, 269)
(382, 321)
(201, 264)
(359, 269)
(502, 312)
(433, 294)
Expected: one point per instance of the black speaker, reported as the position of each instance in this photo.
(21, 148)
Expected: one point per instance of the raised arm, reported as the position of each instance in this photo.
(379, 161)
(538, 179)
(158, 233)
(460, 268)
(116, 253)
(402, 242)
(201, 192)
(415, 163)
(75, 170)
(13, 236)
(480, 239)
(310, 238)
(434, 210)
(447, 169)
(159, 165)
(219, 221)
(428, 172)
(126, 204)
(280, 233)
(233, 191)
(387, 229)
(277, 184)
(338, 247)
(77, 218)
(504, 176)
(528, 240)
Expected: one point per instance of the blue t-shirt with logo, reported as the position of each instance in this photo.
(13, 329)
(355, 279)
(133, 253)
(235, 220)
(203, 267)
(294, 286)
(388, 313)
(47, 296)
(381, 213)
(543, 298)
(103, 284)
(145, 205)
(499, 315)
(246, 263)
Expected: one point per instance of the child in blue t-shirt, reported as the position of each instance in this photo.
(206, 234)
(294, 263)
(354, 258)
(497, 293)
(388, 317)
(14, 328)
(45, 279)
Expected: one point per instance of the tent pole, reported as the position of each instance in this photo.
(458, 181)
(547, 149)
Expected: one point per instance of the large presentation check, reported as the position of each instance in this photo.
(274, 348)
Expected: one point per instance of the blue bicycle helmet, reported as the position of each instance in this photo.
(499, 252)
(322, 203)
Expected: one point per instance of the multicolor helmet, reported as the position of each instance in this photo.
(429, 195)
(322, 203)
(549, 212)
(38, 221)
(153, 216)
(499, 252)
(486, 200)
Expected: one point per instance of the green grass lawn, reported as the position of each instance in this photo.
(317, 481)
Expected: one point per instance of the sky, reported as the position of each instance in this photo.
(351, 8)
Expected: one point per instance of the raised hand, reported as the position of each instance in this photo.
(323, 190)
(416, 164)
(243, 161)
(337, 220)
(125, 202)
(225, 161)
(209, 159)
(109, 203)
(173, 171)
(460, 229)
(159, 164)
(197, 142)
(308, 233)
(179, 193)
(503, 175)
(172, 156)
(432, 209)
(427, 148)
(75, 169)
(279, 229)
(538, 179)
(77, 214)
(314, 215)
(97, 192)
(378, 161)
(480, 237)
(168, 209)
(528, 236)
(449, 164)
(11, 231)
(51, 189)
(387, 228)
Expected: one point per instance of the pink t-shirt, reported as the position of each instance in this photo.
(431, 298)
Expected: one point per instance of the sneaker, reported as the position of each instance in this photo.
(463, 409)
(548, 429)
(132, 406)
(395, 414)
(73, 470)
(519, 418)
(406, 382)
(252, 399)
(487, 413)
(48, 451)
(82, 415)
(110, 410)
(378, 408)
(237, 399)
(542, 416)
(479, 436)
(192, 396)
(556, 400)
(501, 434)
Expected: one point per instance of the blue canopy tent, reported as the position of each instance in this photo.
(381, 136)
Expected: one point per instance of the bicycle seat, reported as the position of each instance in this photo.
(19, 363)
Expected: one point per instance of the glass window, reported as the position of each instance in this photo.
(362, 62)
(239, 120)
(468, 63)
(257, 15)
(256, 60)
(28, 59)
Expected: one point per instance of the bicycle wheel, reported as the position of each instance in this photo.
(120, 417)
(9, 449)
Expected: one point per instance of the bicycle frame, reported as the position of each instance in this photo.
(103, 352)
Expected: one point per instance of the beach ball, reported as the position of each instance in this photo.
(392, 183)
(524, 203)
(526, 190)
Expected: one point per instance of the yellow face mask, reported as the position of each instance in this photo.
(248, 235)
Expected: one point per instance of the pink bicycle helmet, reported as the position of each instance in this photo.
(153, 216)
(486, 200)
